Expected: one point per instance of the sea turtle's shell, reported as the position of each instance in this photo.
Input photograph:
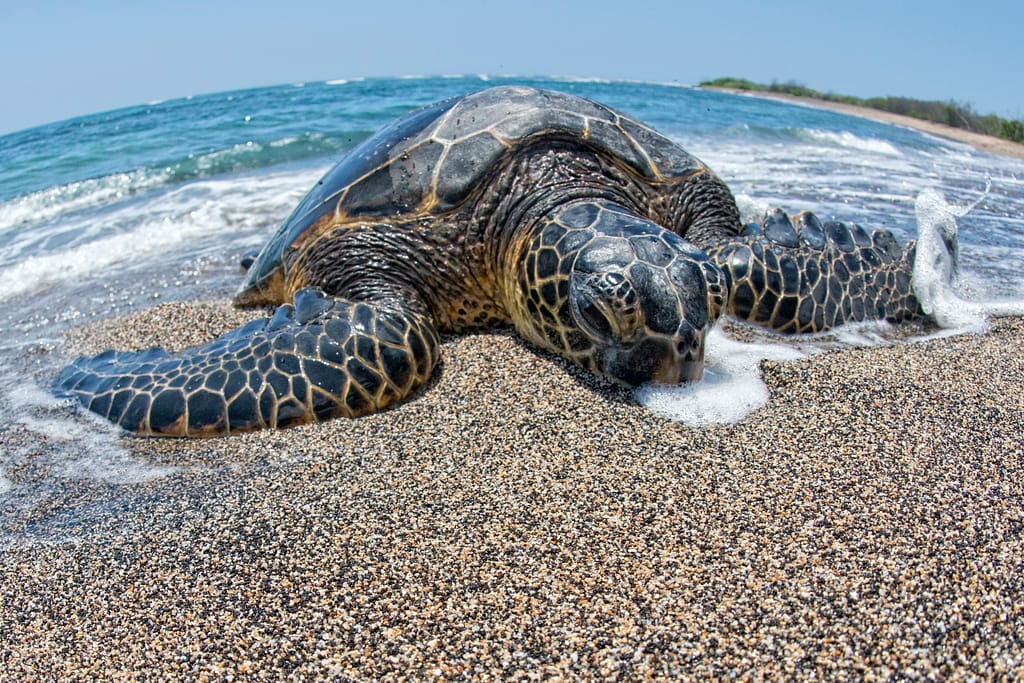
(431, 159)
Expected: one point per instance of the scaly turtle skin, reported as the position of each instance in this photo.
(599, 239)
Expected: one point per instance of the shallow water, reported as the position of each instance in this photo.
(116, 211)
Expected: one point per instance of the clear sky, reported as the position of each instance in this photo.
(67, 58)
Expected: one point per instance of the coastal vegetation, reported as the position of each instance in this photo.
(951, 113)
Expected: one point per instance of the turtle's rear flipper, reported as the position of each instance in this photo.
(248, 258)
(801, 275)
(321, 358)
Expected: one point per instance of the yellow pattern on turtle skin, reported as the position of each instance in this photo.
(318, 360)
(798, 275)
(651, 288)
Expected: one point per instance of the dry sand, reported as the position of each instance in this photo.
(522, 520)
(985, 143)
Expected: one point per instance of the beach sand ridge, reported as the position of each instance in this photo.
(522, 519)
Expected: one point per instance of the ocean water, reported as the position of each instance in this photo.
(116, 211)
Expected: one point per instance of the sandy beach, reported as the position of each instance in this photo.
(523, 520)
(985, 143)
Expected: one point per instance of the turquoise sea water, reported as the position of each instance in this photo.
(157, 186)
(116, 211)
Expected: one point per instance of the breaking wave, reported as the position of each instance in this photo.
(54, 202)
(155, 226)
(851, 141)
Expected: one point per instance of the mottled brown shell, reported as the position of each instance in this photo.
(430, 160)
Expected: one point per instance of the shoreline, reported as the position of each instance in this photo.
(520, 518)
(981, 142)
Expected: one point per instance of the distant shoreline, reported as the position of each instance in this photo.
(984, 143)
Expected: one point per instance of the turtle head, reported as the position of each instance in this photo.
(646, 319)
(633, 302)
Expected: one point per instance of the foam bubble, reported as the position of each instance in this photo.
(730, 390)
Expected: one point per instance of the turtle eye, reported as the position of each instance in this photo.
(594, 318)
(606, 306)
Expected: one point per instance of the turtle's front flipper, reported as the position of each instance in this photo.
(801, 275)
(321, 358)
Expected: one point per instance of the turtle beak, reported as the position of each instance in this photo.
(687, 371)
(658, 360)
(678, 370)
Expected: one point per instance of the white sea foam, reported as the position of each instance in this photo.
(582, 79)
(96, 454)
(730, 390)
(848, 139)
(936, 277)
(60, 447)
(55, 202)
(732, 386)
(189, 212)
(52, 202)
(751, 209)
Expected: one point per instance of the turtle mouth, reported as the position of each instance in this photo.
(679, 372)
(655, 361)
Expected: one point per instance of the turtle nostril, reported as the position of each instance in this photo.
(688, 341)
(688, 348)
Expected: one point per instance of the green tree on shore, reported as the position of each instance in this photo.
(951, 113)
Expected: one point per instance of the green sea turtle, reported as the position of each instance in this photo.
(596, 237)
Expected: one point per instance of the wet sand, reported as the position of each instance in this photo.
(985, 143)
(520, 519)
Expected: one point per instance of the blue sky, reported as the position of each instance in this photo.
(68, 58)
